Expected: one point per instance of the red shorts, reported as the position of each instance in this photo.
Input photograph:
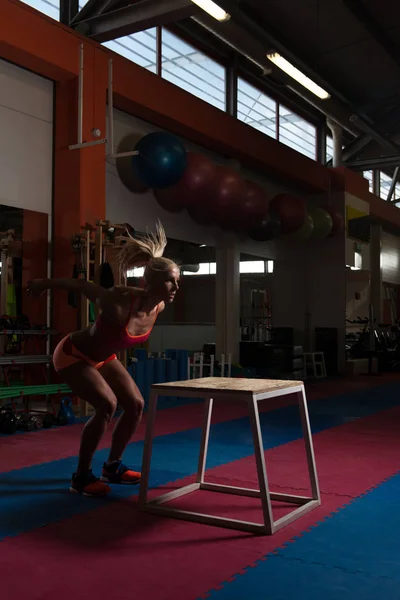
(66, 355)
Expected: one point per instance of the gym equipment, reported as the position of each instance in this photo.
(124, 164)
(291, 210)
(8, 420)
(337, 220)
(26, 422)
(267, 229)
(229, 191)
(322, 223)
(68, 410)
(106, 276)
(48, 421)
(201, 215)
(10, 248)
(197, 183)
(254, 204)
(61, 419)
(161, 160)
(168, 199)
(305, 232)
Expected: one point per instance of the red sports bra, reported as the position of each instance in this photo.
(119, 337)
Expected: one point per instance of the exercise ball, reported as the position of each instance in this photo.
(168, 199)
(229, 191)
(305, 232)
(234, 164)
(124, 164)
(254, 204)
(268, 228)
(291, 210)
(194, 188)
(322, 223)
(161, 161)
(337, 220)
(200, 214)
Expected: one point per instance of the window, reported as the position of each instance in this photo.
(252, 266)
(246, 266)
(51, 8)
(135, 272)
(140, 48)
(385, 183)
(204, 269)
(368, 175)
(256, 109)
(192, 70)
(357, 261)
(296, 132)
(329, 148)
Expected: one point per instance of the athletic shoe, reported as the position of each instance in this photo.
(116, 472)
(88, 484)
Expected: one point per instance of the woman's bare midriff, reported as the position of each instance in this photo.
(87, 342)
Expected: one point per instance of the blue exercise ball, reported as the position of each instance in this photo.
(161, 161)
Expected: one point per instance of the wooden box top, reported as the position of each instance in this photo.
(228, 384)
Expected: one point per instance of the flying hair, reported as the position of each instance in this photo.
(142, 250)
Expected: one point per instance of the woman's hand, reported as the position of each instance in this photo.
(38, 287)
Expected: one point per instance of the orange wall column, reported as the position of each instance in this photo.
(80, 175)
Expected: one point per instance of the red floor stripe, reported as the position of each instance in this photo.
(117, 552)
(19, 451)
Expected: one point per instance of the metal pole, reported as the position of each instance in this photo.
(337, 136)
(110, 107)
(393, 185)
(80, 96)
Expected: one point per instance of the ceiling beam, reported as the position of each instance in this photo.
(392, 189)
(353, 148)
(380, 162)
(88, 10)
(363, 16)
(145, 14)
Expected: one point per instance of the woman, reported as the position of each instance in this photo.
(86, 359)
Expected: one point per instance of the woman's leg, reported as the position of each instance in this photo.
(131, 401)
(87, 383)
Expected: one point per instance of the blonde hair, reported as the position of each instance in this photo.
(145, 251)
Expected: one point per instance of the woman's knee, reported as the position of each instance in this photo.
(107, 407)
(133, 405)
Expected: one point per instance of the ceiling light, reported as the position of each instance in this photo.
(297, 75)
(213, 9)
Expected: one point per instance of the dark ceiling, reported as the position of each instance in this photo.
(349, 47)
(352, 44)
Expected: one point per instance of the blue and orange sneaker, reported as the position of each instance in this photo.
(116, 472)
(88, 484)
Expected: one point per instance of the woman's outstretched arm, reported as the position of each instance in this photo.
(92, 291)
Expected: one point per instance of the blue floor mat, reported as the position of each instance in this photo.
(354, 553)
(362, 537)
(36, 496)
(279, 579)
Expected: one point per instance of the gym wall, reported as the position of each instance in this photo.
(26, 143)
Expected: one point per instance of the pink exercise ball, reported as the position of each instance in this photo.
(291, 210)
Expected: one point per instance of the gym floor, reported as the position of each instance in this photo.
(55, 544)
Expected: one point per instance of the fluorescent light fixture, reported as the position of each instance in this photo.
(297, 75)
(212, 9)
